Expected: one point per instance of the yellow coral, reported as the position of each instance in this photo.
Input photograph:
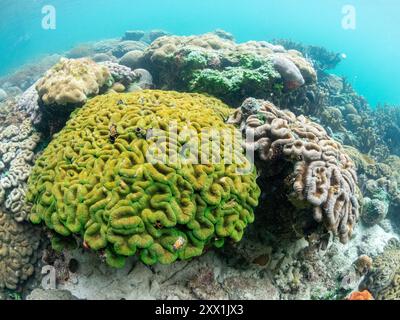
(95, 178)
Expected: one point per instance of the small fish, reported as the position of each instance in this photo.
(179, 243)
(113, 133)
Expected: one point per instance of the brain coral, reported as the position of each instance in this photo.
(18, 144)
(322, 175)
(94, 179)
(72, 82)
(18, 243)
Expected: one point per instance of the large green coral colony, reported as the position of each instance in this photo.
(95, 180)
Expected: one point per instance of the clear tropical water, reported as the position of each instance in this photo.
(371, 49)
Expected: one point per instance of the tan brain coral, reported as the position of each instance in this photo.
(18, 243)
(323, 175)
(72, 81)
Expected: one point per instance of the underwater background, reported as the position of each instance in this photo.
(372, 48)
(303, 94)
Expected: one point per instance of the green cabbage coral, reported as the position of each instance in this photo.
(250, 76)
(95, 178)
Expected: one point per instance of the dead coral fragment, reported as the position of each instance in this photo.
(323, 175)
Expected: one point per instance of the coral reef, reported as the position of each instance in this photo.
(363, 264)
(322, 59)
(145, 79)
(374, 210)
(28, 103)
(383, 281)
(217, 65)
(379, 183)
(18, 245)
(388, 125)
(117, 48)
(94, 179)
(27, 75)
(323, 176)
(146, 36)
(133, 35)
(93, 186)
(17, 145)
(3, 95)
(132, 59)
(120, 73)
(72, 82)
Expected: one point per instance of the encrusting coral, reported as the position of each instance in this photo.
(94, 179)
(322, 174)
(18, 245)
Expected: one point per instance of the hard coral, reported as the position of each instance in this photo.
(383, 280)
(18, 243)
(108, 191)
(322, 175)
(17, 145)
(219, 66)
(72, 82)
(28, 103)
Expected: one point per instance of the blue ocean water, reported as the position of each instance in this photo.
(371, 49)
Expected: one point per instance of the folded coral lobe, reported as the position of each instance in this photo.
(323, 176)
(96, 179)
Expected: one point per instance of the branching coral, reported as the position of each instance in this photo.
(18, 243)
(95, 178)
(322, 58)
(323, 175)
